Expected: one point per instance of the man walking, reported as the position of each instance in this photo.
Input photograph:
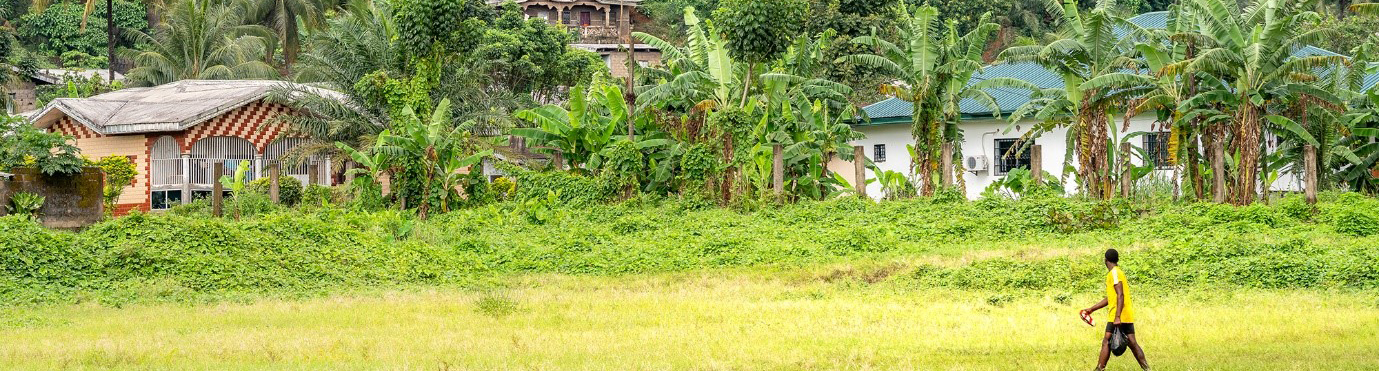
(1121, 314)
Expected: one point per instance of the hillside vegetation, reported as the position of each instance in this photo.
(1033, 244)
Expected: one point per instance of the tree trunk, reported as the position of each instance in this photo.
(1125, 182)
(151, 14)
(631, 94)
(1194, 169)
(747, 82)
(1218, 171)
(290, 43)
(823, 173)
(1247, 146)
(1092, 153)
(110, 39)
(778, 171)
(1309, 158)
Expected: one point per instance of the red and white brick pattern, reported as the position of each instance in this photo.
(243, 122)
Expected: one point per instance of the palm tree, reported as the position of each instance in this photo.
(201, 40)
(353, 45)
(699, 75)
(1252, 51)
(933, 71)
(1087, 47)
(283, 16)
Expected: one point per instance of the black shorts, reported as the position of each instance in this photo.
(1125, 327)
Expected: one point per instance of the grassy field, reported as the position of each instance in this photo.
(666, 285)
(823, 319)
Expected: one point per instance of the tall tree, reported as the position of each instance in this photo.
(201, 40)
(1087, 46)
(758, 31)
(1252, 52)
(932, 64)
(283, 17)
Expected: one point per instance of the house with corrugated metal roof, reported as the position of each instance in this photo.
(987, 139)
(175, 133)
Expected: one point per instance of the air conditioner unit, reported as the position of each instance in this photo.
(975, 163)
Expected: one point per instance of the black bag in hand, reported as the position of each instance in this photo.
(1118, 342)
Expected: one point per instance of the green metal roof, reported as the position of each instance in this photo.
(894, 110)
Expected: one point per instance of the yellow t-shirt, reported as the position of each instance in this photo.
(1127, 315)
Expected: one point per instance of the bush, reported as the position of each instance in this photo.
(289, 189)
(572, 188)
(1353, 215)
(317, 195)
(275, 251)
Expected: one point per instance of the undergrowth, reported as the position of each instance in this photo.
(292, 252)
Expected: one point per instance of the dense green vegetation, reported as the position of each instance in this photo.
(182, 256)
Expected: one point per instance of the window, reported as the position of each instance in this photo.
(163, 200)
(1007, 158)
(878, 153)
(1156, 149)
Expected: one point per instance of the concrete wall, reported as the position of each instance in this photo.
(617, 61)
(95, 146)
(979, 138)
(71, 201)
(25, 95)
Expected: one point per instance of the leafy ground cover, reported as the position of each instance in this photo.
(1039, 244)
(660, 284)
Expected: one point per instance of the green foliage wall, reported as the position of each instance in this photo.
(57, 30)
(759, 31)
(1166, 247)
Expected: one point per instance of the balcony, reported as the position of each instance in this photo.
(596, 34)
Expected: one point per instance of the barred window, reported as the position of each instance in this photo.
(1007, 158)
(1156, 149)
(878, 153)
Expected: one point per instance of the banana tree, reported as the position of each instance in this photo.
(1088, 46)
(374, 166)
(1251, 50)
(699, 75)
(1166, 94)
(579, 133)
(434, 150)
(933, 71)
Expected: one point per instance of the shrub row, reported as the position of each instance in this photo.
(1288, 244)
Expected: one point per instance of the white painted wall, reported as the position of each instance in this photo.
(979, 137)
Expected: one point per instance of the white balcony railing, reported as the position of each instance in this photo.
(198, 173)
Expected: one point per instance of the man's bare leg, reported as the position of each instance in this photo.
(1139, 353)
(1105, 352)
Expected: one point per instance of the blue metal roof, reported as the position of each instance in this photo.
(894, 110)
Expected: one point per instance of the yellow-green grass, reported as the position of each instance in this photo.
(696, 321)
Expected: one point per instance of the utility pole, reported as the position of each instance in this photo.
(110, 39)
(630, 95)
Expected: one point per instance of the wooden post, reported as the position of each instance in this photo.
(1218, 172)
(1036, 163)
(859, 170)
(1125, 170)
(217, 189)
(946, 165)
(186, 162)
(778, 170)
(273, 175)
(349, 172)
(312, 173)
(1309, 156)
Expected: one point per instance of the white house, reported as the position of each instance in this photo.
(987, 139)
